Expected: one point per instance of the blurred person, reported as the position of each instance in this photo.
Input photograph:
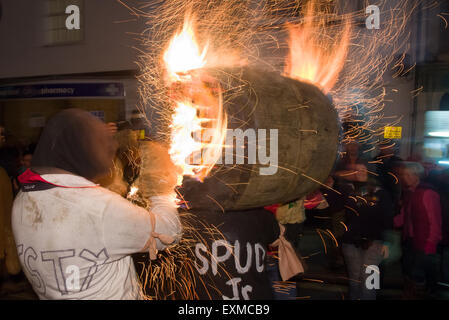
(291, 217)
(75, 238)
(223, 252)
(25, 159)
(369, 214)
(387, 163)
(351, 155)
(442, 184)
(10, 161)
(2, 136)
(8, 250)
(418, 156)
(9, 262)
(232, 263)
(438, 180)
(115, 180)
(421, 223)
(327, 205)
(351, 167)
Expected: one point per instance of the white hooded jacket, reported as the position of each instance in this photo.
(74, 242)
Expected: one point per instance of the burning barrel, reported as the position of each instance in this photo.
(290, 128)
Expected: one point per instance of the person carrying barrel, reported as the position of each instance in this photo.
(75, 238)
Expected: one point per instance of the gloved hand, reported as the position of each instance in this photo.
(166, 215)
(158, 174)
(164, 204)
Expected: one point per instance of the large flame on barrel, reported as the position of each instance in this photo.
(314, 56)
(198, 123)
(183, 53)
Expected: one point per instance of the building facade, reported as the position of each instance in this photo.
(45, 67)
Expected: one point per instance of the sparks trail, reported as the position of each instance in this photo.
(322, 240)
(243, 27)
(173, 274)
(252, 33)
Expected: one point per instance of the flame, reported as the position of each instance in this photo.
(315, 57)
(183, 53)
(183, 144)
(132, 192)
(198, 129)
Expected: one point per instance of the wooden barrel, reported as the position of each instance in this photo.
(307, 139)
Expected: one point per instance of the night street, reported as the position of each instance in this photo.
(224, 152)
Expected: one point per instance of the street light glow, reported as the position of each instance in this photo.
(444, 134)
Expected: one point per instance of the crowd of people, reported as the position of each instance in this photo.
(368, 203)
(385, 210)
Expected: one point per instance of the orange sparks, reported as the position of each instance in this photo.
(396, 180)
